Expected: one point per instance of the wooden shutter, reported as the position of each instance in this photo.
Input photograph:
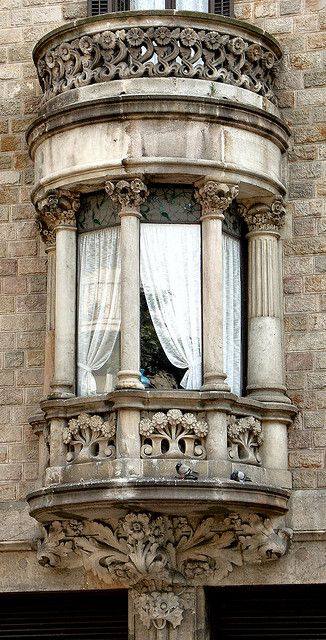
(222, 7)
(84, 615)
(98, 7)
(284, 612)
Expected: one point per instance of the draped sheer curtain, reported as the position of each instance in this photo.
(232, 312)
(170, 270)
(99, 266)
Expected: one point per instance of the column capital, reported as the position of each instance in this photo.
(128, 193)
(57, 208)
(264, 216)
(215, 197)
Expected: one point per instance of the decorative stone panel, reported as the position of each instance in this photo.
(244, 439)
(90, 438)
(173, 435)
(158, 51)
(142, 546)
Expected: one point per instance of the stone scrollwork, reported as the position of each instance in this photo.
(262, 216)
(216, 197)
(58, 207)
(144, 546)
(161, 51)
(173, 435)
(127, 193)
(244, 439)
(90, 438)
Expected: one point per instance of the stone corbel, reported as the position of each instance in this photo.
(173, 549)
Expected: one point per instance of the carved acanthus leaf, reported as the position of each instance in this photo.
(173, 435)
(143, 546)
(58, 207)
(244, 439)
(127, 193)
(216, 197)
(90, 438)
(266, 217)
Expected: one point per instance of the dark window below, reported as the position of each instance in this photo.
(99, 7)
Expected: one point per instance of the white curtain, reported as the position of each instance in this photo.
(232, 312)
(170, 269)
(99, 267)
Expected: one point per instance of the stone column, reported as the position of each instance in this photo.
(265, 354)
(50, 314)
(214, 199)
(129, 195)
(56, 217)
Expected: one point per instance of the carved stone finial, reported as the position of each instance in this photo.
(266, 217)
(58, 207)
(129, 194)
(215, 197)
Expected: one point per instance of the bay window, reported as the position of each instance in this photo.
(170, 293)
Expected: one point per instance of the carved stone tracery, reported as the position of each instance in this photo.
(141, 546)
(57, 208)
(244, 439)
(173, 435)
(135, 52)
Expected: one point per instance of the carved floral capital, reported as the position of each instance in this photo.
(215, 197)
(57, 208)
(143, 546)
(129, 194)
(265, 217)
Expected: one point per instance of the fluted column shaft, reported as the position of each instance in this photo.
(265, 357)
(214, 199)
(129, 194)
(56, 217)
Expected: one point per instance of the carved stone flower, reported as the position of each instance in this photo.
(146, 427)
(188, 37)
(135, 37)
(196, 568)
(158, 531)
(189, 420)
(86, 44)
(84, 420)
(201, 429)
(95, 423)
(65, 50)
(162, 35)
(66, 435)
(159, 419)
(108, 428)
(136, 526)
(158, 608)
(212, 40)
(107, 40)
(254, 52)
(268, 60)
(73, 426)
(174, 416)
(236, 45)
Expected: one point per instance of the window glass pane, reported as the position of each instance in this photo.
(96, 210)
(232, 312)
(170, 269)
(192, 5)
(98, 310)
(170, 203)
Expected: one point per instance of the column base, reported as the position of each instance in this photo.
(268, 394)
(129, 380)
(215, 382)
(61, 389)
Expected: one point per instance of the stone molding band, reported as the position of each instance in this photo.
(158, 51)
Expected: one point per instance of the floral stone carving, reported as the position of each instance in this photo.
(57, 208)
(266, 217)
(159, 608)
(244, 439)
(136, 52)
(142, 546)
(216, 197)
(90, 438)
(127, 193)
(173, 435)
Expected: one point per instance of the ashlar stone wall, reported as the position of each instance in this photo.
(300, 27)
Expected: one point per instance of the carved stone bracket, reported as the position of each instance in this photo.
(266, 217)
(215, 197)
(57, 208)
(90, 438)
(158, 51)
(244, 439)
(143, 546)
(173, 435)
(129, 194)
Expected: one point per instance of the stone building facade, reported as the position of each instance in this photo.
(109, 513)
